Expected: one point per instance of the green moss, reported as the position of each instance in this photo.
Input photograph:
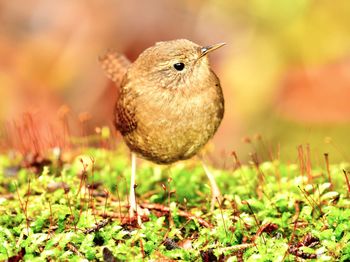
(63, 223)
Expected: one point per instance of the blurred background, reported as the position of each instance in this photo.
(285, 69)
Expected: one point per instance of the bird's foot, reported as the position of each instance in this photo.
(138, 213)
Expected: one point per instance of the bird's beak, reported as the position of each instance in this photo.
(206, 49)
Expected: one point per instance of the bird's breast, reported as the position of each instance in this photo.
(174, 124)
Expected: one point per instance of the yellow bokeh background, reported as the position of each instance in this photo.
(285, 69)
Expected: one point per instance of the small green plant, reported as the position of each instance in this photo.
(271, 211)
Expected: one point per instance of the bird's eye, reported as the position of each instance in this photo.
(179, 66)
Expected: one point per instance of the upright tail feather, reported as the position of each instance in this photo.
(115, 66)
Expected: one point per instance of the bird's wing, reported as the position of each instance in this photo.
(125, 120)
(115, 65)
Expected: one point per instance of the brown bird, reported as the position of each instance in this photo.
(170, 103)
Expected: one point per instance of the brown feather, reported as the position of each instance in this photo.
(115, 66)
(125, 120)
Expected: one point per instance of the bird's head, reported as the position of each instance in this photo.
(175, 64)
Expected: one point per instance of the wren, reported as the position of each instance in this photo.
(171, 102)
(170, 105)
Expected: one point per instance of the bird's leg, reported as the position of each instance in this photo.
(215, 191)
(132, 198)
(134, 207)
